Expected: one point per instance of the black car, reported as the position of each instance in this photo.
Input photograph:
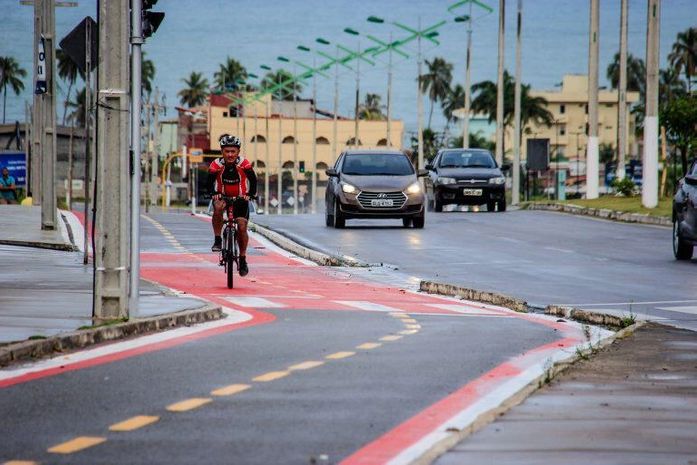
(374, 184)
(466, 177)
(685, 215)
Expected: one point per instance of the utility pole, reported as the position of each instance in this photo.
(389, 94)
(592, 161)
(147, 109)
(358, 97)
(45, 111)
(500, 85)
(295, 145)
(335, 142)
(622, 95)
(649, 190)
(468, 90)
(516, 110)
(314, 137)
(279, 182)
(419, 104)
(267, 159)
(112, 201)
(155, 153)
(88, 136)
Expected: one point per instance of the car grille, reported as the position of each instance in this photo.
(472, 182)
(398, 199)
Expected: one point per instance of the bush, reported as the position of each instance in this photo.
(624, 187)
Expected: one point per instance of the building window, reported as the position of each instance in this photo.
(352, 141)
(259, 164)
(225, 114)
(288, 165)
(288, 140)
(562, 129)
(258, 138)
(586, 108)
(382, 142)
(321, 166)
(232, 111)
(562, 109)
(322, 141)
(609, 105)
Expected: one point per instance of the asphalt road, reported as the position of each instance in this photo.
(542, 257)
(287, 415)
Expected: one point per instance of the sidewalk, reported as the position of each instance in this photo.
(635, 402)
(46, 289)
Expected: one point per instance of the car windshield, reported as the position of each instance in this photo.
(467, 159)
(377, 164)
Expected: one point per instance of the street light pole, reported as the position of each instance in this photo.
(500, 85)
(592, 168)
(389, 95)
(649, 190)
(295, 146)
(518, 130)
(314, 137)
(622, 96)
(267, 159)
(468, 88)
(419, 104)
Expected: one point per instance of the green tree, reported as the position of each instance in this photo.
(476, 141)
(371, 109)
(454, 100)
(230, 74)
(68, 71)
(279, 76)
(683, 56)
(77, 115)
(147, 74)
(680, 120)
(10, 75)
(436, 82)
(196, 90)
(433, 141)
(606, 153)
(636, 74)
(670, 85)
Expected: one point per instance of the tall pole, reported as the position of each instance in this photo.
(136, 104)
(500, 85)
(280, 165)
(358, 98)
(88, 137)
(37, 108)
(266, 160)
(155, 154)
(314, 137)
(649, 190)
(592, 161)
(389, 94)
(295, 146)
(256, 135)
(468, 89)
(622, 95)
(112, 201)
(335, 142)
(419, 105)
(516, 111)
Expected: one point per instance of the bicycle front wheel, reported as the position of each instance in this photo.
(231, 257)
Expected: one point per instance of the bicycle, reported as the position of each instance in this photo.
(229, 253)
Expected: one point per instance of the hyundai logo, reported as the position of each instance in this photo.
(382, 195)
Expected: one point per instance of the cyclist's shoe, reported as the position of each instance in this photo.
(217, 244)
(244, 269)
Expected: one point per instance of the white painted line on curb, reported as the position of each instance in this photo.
(254, 302)
(369, 306)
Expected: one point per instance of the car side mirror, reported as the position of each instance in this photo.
(422, 173)
(429, 167)
(691, 180)
(332, 173)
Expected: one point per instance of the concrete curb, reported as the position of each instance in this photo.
(475, 295)
(614, 215)
(33, 349)
(490, 416)
(41, 245)
(585, 316)
(303, 251)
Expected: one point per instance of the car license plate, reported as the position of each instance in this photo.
(382, 203)
(473, 192)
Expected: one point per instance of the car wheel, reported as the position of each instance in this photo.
(328, 218)
(339, 220)
(437, 204)
(406, 222)
(491, 206)
(501, 204)
(419, 221)
(681, 249)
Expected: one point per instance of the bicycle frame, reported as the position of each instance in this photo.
(229, 251)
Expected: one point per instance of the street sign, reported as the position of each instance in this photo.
(41, 86)
(538, 154)
(196, 158)
(16, 164)
(74, 43)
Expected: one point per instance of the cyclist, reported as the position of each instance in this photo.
(228, 176)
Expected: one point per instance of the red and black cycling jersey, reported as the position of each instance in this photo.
(231, 180)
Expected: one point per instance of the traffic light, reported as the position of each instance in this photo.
(302, 166)
(151, 19)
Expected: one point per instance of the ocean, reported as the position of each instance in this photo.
(199, 35)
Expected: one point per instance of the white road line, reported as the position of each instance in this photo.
(631, 303)
(254, 302)
(627, 313)
(692, 310)
(467, 310)
(557, 249)
(369, 306)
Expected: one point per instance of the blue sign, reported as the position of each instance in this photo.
(16, 164)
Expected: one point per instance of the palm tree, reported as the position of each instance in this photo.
(147, 74)
(436, 82)
(371, 110)
(279, 76)
(684, 54)
(77, 116)
(10, 74)
(68, 71)
(670, 85)
(196, 90)
(454, 100)
(229, 74)
(636, 73)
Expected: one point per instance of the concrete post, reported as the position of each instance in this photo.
(112, 200)
(515, 194)
(649, 191)
(295, 146)
(267, 159)
(468, 86)
(279, 182)
(622, 95)
(314, 138)
(592, 158)
(419, 106)
(335, 142)
(389, 95)
(88, 137)
(500, 84)
(358, 98)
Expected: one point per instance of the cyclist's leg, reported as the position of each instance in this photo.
(217, 220)
(241, 210)
(242, 236)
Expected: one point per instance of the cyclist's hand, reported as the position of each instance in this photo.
(246, 197)
(216, 197)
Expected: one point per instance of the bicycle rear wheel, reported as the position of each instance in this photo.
(231, 257)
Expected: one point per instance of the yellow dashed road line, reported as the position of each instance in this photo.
(189, 404)
(407, 332)
(134, 423)
(305, 365)
(413, 326)
(74, 445)
(230, 390)
(271, 376)
(369, 345)
(390, 338)
(340, 355)
(409, 320)
(21, 462)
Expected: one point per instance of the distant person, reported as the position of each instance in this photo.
(228, 177)
(8, 190)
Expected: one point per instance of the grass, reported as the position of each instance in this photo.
(626, 204)
(106, 323)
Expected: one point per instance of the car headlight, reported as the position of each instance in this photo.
(414, 188)
(499, 180)
(349, 188)
(447, 180)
